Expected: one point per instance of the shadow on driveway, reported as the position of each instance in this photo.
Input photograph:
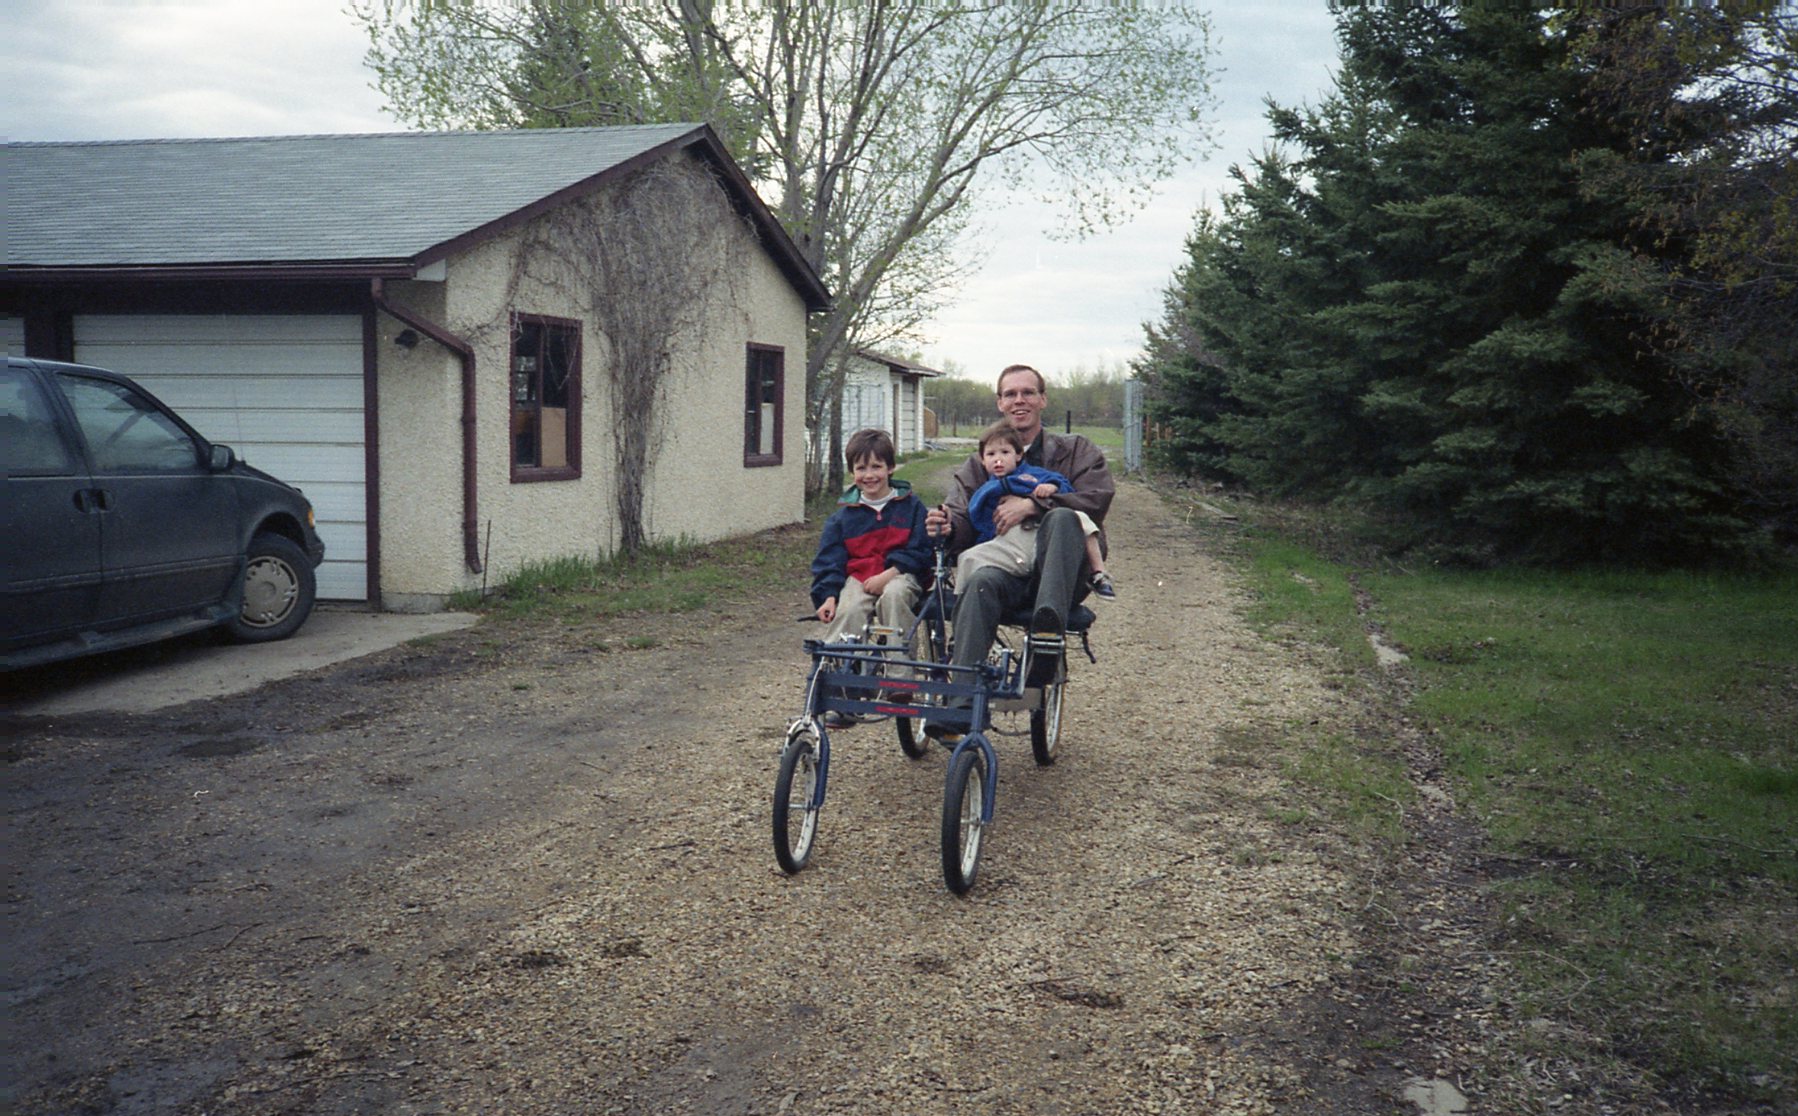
(143, 679)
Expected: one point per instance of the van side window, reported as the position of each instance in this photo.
(30, 444)
(125, 433)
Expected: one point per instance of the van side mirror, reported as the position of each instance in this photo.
(222, 459)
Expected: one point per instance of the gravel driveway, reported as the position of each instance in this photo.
(506, 871)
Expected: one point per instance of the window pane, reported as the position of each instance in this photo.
(552, 425)
(558, 366)
(29, 442)
(526, 353)
(525, 438)
(545, 384)
(762, 407)
(124, 432)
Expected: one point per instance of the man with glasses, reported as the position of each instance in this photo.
(1060, 579)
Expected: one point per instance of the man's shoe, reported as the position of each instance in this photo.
(947, 735)
(836, 720)
(1102, 587)
(1046, 623)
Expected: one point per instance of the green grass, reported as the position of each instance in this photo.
(1634, 738)
(929, 474)
(664, 578)
(1108, 438)
(1629, 741)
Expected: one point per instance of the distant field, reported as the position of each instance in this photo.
(1108, 438)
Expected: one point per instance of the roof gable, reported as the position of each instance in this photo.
(897, 364)
(368, 202)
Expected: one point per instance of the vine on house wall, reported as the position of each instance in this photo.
(651, 259)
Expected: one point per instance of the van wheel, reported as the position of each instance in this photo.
(278, 590)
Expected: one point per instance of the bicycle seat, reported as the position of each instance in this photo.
(1080, 618)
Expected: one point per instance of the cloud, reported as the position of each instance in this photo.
(199, 68)
(92, 70)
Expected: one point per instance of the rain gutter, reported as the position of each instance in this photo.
(471, 549)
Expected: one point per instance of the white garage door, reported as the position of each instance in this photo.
(283, 390)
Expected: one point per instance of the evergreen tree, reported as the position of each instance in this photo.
(1420, 310)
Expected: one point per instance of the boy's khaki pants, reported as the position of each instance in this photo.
(894, 608)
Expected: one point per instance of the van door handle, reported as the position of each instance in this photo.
(91, 500)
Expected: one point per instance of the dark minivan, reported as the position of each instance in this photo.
(120, 524)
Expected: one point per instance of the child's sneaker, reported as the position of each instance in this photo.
(1102, 587)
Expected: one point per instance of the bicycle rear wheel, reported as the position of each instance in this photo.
(926, 646)
(964, 800)
(795, 788)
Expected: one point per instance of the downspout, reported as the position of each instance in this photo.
(471, 548)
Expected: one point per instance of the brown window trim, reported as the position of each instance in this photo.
(752, 460)
(531, 474)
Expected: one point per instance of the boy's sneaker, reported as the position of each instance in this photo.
(1102, 587)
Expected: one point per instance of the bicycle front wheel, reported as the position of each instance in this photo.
(1045, 724)
(795, 789)
(964, 800)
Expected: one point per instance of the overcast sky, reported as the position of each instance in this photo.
(147, 69)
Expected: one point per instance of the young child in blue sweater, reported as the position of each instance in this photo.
(1002, 451)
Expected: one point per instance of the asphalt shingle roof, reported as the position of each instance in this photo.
(288, 199)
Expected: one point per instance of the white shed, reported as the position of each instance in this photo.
(886, 392)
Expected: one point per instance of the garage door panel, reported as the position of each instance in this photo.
(320, 465)
(336, 504)
(186, 390)
(242, 330)
(267, 428)
(350, 546)
(283, 390)
(263, 362)
(342, 581)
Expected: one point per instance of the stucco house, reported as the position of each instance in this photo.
(886, 392)
(403, 326)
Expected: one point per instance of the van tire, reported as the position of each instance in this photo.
(278, 590)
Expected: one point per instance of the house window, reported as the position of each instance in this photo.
(546, 398)
(762, 412)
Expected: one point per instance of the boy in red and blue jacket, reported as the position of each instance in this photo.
(873, 555)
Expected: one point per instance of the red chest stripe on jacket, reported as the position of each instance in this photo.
(867, 551)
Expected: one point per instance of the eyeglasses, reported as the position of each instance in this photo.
(1018, 393)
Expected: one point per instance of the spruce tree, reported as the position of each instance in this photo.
(1419, 309)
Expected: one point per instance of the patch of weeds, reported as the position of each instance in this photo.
(642, 643)
(1288, 815)
(1255, 855)
(666, 577)
(465, 600)
(1369, 789)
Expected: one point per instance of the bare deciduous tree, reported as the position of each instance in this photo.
(867, 124)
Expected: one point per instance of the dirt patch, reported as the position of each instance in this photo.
(503, 873)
